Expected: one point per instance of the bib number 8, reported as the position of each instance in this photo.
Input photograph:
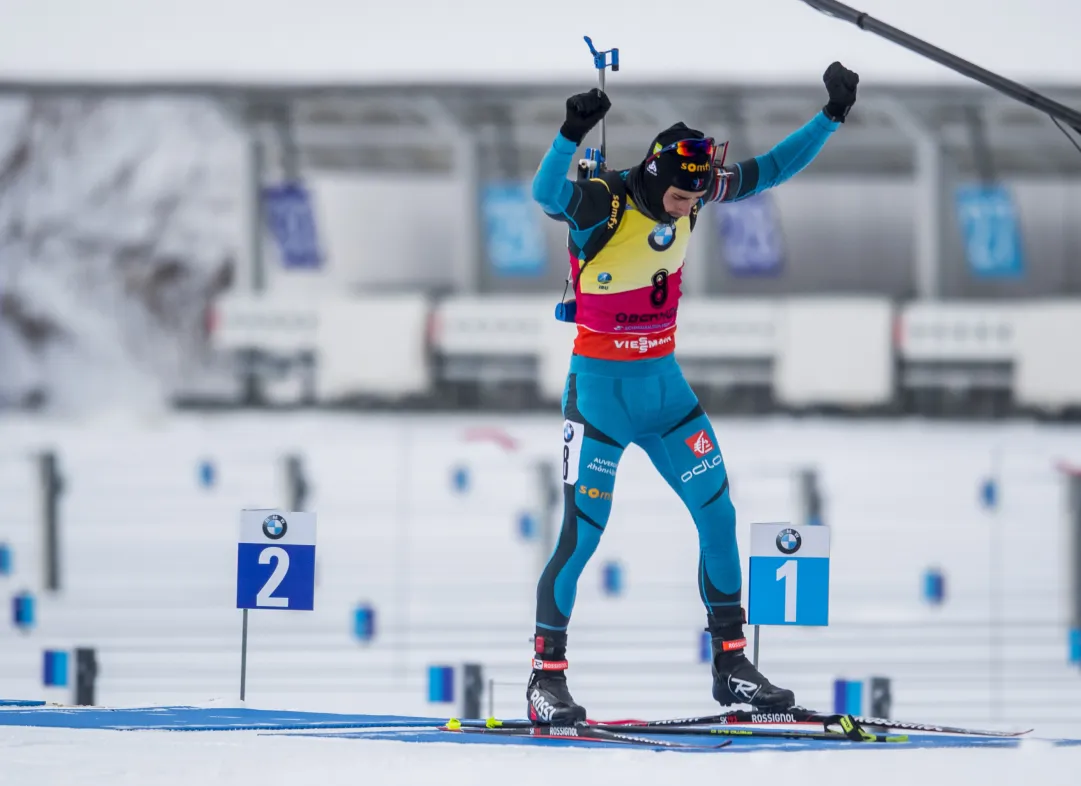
(659, 295)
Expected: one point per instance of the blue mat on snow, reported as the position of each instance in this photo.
(180, 718)
(739, 744)
(382, 727)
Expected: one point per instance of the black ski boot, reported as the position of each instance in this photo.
(735, 679)
(547, 698)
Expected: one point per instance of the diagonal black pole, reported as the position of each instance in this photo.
(1012, 89)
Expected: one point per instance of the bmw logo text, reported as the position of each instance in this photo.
(789, 541)
(662, 236)
(274, 527)
(568, 432)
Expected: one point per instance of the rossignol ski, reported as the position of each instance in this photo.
(581, 731)
(803, 715)
(850, 731)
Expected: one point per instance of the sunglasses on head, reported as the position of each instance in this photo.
(694, 148)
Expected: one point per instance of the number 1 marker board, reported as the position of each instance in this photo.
(790, 575)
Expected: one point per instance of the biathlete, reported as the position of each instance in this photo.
(628, 236)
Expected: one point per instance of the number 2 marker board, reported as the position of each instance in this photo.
(275, 560)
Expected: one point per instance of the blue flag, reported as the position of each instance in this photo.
(751, 233)
(291, 221)
(515, 239)
(991, 231)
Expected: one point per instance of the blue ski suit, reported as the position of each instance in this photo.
(625, 385)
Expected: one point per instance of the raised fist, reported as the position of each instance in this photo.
(584, 110)
(841, 85)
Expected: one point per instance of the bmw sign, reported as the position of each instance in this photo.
(789, 541)
(274, 527)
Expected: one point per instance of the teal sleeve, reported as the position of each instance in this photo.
(551, 188)
(583, 205)
(784, 161)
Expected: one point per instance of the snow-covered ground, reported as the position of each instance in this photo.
(57, 757)
(148, 557)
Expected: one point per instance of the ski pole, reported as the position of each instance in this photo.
(601, 61)
(942, 57)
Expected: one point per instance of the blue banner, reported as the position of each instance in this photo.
(515, 239)
(291, 221)
(751, 233)
(991, 231)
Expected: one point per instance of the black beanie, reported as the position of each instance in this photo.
(648, 181)
(670, 169)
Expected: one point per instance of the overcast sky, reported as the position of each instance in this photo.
(492, 40)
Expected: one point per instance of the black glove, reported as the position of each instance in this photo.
(841, 84)
(584, 111)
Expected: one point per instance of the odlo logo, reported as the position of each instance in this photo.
(541, 706)
(699, 469)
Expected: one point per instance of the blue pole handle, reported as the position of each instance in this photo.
(601, 59)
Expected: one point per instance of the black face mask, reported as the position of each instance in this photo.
(648, 195)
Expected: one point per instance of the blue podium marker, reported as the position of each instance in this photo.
(55, 669)
(441, 684)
